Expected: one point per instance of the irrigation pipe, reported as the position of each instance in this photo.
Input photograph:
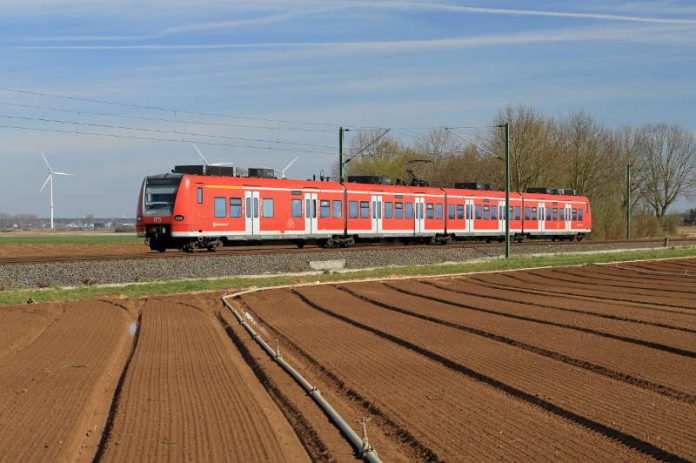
(365, 451)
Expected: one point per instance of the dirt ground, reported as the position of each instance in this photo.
(594, 363)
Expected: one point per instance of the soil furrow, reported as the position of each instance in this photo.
(399, 433)
(622, 407)
(311, 441)
(585, 279)
(530, 278)
(652, 365)
(55, 392)
(498, 297)
(186, 397)
(628, 440)
(542, 290)
(106, 433)
(626, 339)
(447, 411)
(569, 360)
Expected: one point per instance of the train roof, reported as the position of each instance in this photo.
(319, 184)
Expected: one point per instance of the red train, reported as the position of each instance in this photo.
(187, 211)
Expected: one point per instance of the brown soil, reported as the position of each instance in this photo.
(8, 250)
(576, 364)
(56, 388)
(449, 414)
(188, 397)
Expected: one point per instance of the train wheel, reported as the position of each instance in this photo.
(300, 244)
(212, 248)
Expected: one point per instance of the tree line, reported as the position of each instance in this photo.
(575, 151)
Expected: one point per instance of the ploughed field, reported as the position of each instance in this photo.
(569, 364)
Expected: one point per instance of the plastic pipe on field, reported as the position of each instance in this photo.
(368, 454)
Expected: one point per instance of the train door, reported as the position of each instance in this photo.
(542, 217)
(501, 217)
(376, 214)
(419, 214)
(567, 217)
(469, 215)
(251, 216)
(311, 213)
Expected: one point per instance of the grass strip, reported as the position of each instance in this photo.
(20, 296)
(116, 238)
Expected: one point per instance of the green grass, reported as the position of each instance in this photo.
(237, 283)
(116, 238)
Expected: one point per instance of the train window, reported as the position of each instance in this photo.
(256, 208)
(364, 209)
(353, 209)
(534, 213)
(296, 208)
(438, 211)
(450, 211)
(517, 212)
(199, 193)
(337, 209)
(398, 210)
(561, 213)
(220, 207)
(388, 210)
(580, 215)
(548, 213)
(248, 208)
(494, 212)
(478, 211)
(267, 208)
(430, 211)
(468, 211)
(486, 212)
(575, 214)
(409, 210)
(555, 213)
(235, 207)
(324, 209)
(527, 213)
(460, 211)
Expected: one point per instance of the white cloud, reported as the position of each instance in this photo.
(632, 34)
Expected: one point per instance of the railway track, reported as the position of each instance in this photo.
(274, 250)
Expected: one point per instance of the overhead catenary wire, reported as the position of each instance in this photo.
(162, 119)
(457, 134)
(177, 132)
(171, 110)
(157, 139)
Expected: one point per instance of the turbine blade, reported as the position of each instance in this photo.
(62, 173)
(207, 163)
(46, 161)
(45, 183)
(222, 164)
(288, 166)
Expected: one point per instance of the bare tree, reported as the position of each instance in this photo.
(531, 147)
(668, 165)
(584, 146)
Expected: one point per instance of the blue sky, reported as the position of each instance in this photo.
(292, 71)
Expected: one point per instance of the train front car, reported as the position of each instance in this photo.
(157, 211)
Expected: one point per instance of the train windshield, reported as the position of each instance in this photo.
(160, 193)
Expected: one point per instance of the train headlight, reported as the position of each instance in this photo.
(139, 219)
(178, 218)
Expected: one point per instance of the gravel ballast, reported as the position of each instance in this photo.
(216, 266)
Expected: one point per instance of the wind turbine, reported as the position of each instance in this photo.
(282, 172)
(208, 163)
(48, 180)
